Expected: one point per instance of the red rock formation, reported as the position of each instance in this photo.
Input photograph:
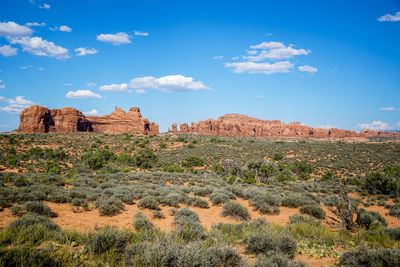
(36, 119)
(123, 122)
(242, 126)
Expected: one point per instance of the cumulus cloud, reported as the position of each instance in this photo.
(388, 109)
(269, 58)
(15, 105)
(139, 33)
(390, 17)
(45, 6)
(123, 87)
(167, 83)
(40, 47)
(35, 24)
(12, 29)
(82, 94)
(266, 68)
(308, 69)
(115, 39)
(64, 28)
(274, 51)
(82, 51)
(92, 112)
(8, 51)
(375, 125)
(2, 85)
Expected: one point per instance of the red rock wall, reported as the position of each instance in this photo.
(244, 126)
(36, 119)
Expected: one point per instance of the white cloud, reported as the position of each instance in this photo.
(274, 51)
(45, 6)
(35, 24)
(390, 17)
(123, 87)
(115, 39)
(140, 91)
(2, 85)
(375, 125)
(218, 57)
(64, 28)
(68, 84)
(82, 94)
(8, 51)
(167, 83)
(91, 84)
(15, 105)
(12, 29)
(268, 45)
(139, 33)
(308, 69)
(42, 48)
(92, 112)
(266, 68)
(82, 51)
(388, 109)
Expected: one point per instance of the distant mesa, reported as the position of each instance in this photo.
(241, 126)
(38, 119)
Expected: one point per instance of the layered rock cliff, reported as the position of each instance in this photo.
(37, 119)
(242, 126)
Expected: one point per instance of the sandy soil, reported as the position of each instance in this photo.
(316, 262)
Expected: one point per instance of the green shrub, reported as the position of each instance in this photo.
(202, 191)
(302, 169)
(386, 182)
(198, 202)
(276, 260)
(39, 208)
(267, 241)
(368, 219)
(235, 210)
(370, 257)
(27, 256)
(394, 233)
(193, 161)
(17, 210)
(141, 223)
(277, 156)
(97, 158)
(33, 219)
(296, 200)
(106, 239)
(110, 206)
(395, 210)
(315, 211)
(186, 214)
(149, 202)
(173, 168)
(266, 203)
(219, 198)
(145, 159)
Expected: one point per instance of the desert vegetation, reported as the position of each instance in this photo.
(197, 201)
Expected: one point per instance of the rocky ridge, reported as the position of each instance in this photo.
(241, 126)
(38, 119)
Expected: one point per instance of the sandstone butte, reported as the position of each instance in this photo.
(242, 126)
(37, 119)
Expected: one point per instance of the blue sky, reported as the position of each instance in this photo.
(323, 63)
